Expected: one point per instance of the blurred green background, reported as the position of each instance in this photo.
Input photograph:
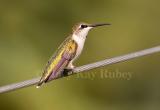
(31, 30)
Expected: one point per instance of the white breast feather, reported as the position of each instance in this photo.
(80, 41)
(80, 38)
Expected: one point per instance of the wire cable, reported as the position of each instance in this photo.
(87, 67)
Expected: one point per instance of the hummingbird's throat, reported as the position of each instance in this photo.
(82, 33)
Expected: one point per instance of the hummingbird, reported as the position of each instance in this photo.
(67, 52)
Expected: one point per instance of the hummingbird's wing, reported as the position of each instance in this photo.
(62, 45)
(60, 61)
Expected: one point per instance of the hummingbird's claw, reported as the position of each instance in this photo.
(66, 71)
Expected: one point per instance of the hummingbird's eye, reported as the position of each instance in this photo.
(84, 26)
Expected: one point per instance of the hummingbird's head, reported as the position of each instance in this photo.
(82, 29)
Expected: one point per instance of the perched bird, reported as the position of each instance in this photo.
(67, 52)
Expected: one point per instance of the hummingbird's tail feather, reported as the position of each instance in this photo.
(40, 83)
(37, 86)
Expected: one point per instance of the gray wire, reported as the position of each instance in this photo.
(87, 67)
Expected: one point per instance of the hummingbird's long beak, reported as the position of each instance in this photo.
(96, 25)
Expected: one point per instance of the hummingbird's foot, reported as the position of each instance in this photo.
(66, 71)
